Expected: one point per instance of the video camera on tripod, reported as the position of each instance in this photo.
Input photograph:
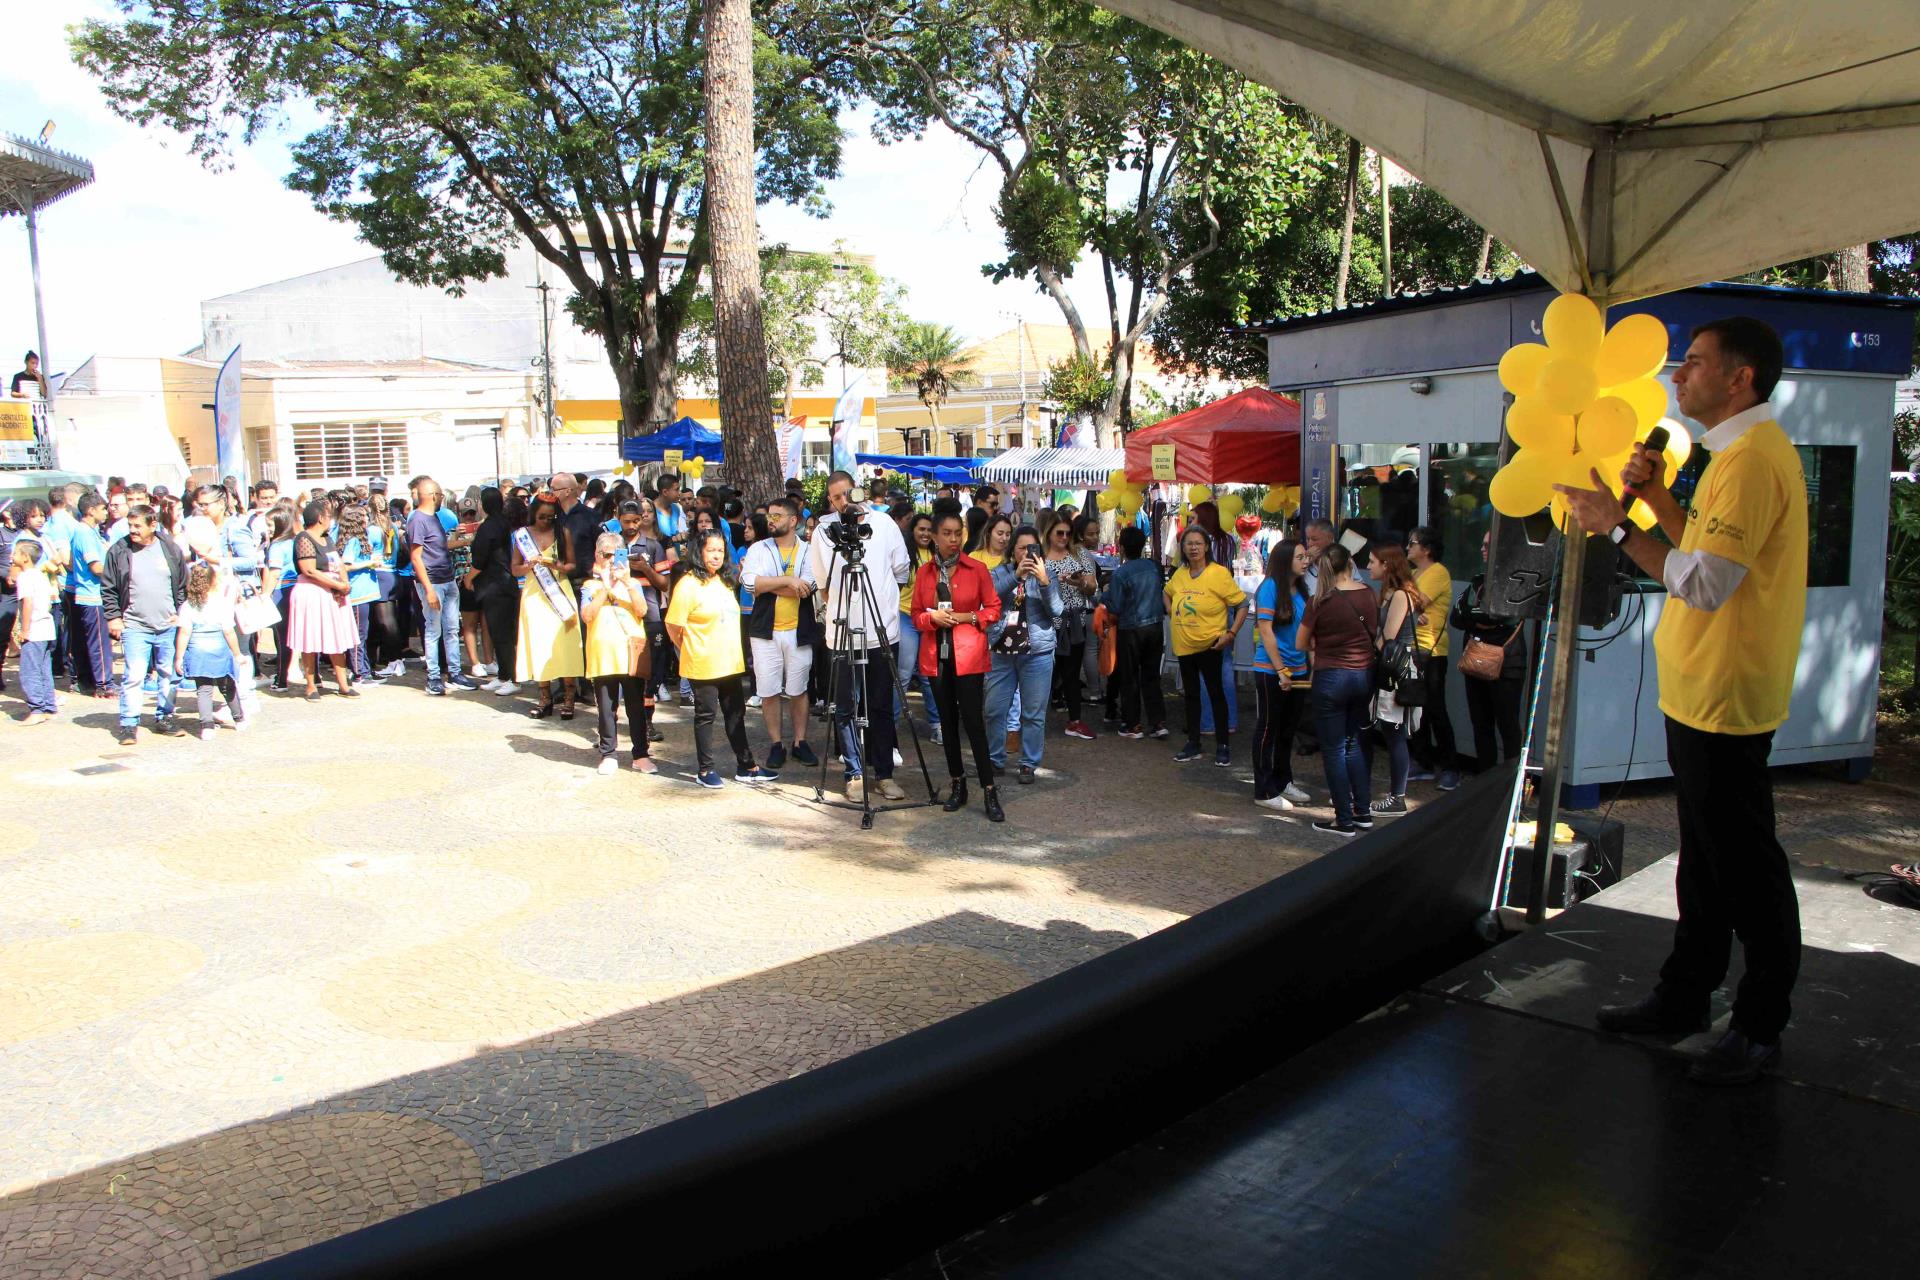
(847, 533)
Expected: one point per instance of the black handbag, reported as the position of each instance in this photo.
(1398, 666)
(1013, 640)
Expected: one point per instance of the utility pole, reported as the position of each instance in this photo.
(546, 370)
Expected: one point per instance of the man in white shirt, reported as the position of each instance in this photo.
(866, 624)
(779, 572)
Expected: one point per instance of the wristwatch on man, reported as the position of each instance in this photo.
(1619, 533)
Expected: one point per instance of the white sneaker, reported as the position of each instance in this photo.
(209, 733)
(395, 669)
(608, 767)
(491, 686)
(898, 759)
(506, 688)
(224, 718)
(478, 671)
(1280, 803)
(1295, 794)
(754, 702)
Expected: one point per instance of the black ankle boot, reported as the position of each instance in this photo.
(958, 799)
(994, 812)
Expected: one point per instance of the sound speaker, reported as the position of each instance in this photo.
(1524, 558)
(1590, 862)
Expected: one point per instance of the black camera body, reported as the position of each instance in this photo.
(847, 533)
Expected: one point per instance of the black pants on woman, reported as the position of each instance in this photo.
(725, 700)
(500, 606)
(608, 692)
(965, 697)
(1196, 669)
(1277, 715)
(282, 599)
(1067, 663)
(1433, 743)
(1142, 705)
(1494, 705)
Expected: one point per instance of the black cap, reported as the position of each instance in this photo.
(377, 484)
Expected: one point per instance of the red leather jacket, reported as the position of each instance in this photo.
(972, 593)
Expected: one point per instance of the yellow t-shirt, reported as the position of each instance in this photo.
(1430, 628)
(786, 609)
(1197, 608)
(988, 559)
(710, 645)
(1731, 670)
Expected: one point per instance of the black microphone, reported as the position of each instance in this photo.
(1656, 441)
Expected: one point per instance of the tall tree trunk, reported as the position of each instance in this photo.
(1346, 223)
(740, 340)
(1852, 269)
(1486, 256)
(1386, 232)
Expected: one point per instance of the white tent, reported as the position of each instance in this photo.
(1623, 147)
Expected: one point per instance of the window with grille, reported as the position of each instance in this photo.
(345, 450)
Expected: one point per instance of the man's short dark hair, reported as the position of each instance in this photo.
(668, 480)
(579, 477)
(57, 496)
(263, 487)
(986, 491)
(88, 502)
(33, 549)
(1753, 343)
(838, 476)
(1133, 543)
(787, 504)
(140, 511)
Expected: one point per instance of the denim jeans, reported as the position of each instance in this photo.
(907, 653)
(145, 651)
(1399, 762)
(441, 627)
(1227, 687)
(357, 660)
(36, 675)
(1032, 675)
(1340, 699)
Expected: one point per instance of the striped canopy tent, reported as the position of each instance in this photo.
(1054, 468)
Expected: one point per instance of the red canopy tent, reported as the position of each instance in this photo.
(1251, 437)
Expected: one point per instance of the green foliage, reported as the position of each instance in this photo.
(928, 358)
(450, 127)
(1903, 556)
(813, 486)
(1078, 384)
(817, 309)
(1906, 438)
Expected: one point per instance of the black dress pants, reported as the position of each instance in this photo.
(1138, 673)
(874, 757)
(964, 697)
(725, 700)
(1277, 714)
(1733, 882)
(1433, 743)
(1196, 668)
(1494, 707)
(608, 692)
(500, 606)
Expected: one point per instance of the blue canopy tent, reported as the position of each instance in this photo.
(945, 470)
(686, 435)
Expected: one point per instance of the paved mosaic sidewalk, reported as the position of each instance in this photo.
(270, 988)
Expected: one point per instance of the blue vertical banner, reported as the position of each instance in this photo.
(846, 417)
(229, 442)
(1319, 453)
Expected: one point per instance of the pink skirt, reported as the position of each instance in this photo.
(318, 623)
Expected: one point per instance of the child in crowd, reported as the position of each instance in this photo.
(34, 626)
(206, 644)
(614, 610)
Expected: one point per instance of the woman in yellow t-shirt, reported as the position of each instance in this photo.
(703, 620)
(613, 608)
(1435, 754)
(1205, 608)
(990, 544)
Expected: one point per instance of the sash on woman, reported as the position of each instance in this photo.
(542, 575)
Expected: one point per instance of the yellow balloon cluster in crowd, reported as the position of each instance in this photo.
(1582, 402)
(624, 469)
(693, 468)
(1121, 494)
(1279, 499)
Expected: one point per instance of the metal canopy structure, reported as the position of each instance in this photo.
(33, 176)
(1622, 147)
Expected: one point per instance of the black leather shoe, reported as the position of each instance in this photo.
(994, 812)
(957, 800)
(1734, 1059)
(1649, 1016)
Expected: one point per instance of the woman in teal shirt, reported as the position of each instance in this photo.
(1280, 675)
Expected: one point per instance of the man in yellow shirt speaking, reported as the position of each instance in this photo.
(1725, 649)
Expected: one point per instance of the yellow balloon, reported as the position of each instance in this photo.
(1105, 500)
(1199, 493)
(1568, 385)
(1130, 503)
(1573, 327)
(1642, 516)
(1606, 427)
(1231, 505)
(1520, 367)
(1273, 501)
(1521, 487)
(1679, 443)
(1117, 478)
(1561, 512)
(1569, 468)
(1533, 426)
(1648, 396)
(1634, 348)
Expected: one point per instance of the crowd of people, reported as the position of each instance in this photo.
(573, 591)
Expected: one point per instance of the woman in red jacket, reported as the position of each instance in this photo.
(953, 605)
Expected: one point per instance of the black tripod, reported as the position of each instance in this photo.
(848, 644)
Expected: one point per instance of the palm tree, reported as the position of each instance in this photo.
(929, 357)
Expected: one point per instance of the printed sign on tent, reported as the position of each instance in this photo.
(1163, 462)
(671, 458)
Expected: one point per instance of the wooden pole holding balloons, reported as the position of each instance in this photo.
(1583, 402)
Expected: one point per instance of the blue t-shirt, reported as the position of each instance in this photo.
(363, 587)
(429, 537)
(86, 545)
(280, 557)
(1265, 602)
(57, 537)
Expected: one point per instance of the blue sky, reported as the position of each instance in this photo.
(126, 261)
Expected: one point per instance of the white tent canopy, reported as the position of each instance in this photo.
(1623, 147)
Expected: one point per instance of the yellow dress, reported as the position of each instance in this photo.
(611, 633)
(548, 648)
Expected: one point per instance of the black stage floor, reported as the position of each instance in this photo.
(1479, 1126)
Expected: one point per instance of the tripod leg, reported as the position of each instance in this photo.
(900, 692)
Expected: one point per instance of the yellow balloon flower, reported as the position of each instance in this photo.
(1606, 427)
(1534, 426)
(1520, 367)
(1568, 385)
(1635, 348)
(1573, 328)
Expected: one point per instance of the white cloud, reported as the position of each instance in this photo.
(126, 262)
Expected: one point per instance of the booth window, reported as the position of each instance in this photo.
(1829, 470)
(1457, 479)
(1382, 487)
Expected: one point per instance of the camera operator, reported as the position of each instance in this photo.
(875, 614)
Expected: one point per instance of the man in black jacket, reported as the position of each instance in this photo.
(143, 582)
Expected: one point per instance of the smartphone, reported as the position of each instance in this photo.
(620, 555)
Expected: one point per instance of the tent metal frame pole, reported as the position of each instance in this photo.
(1596, 268)
(25, 195)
